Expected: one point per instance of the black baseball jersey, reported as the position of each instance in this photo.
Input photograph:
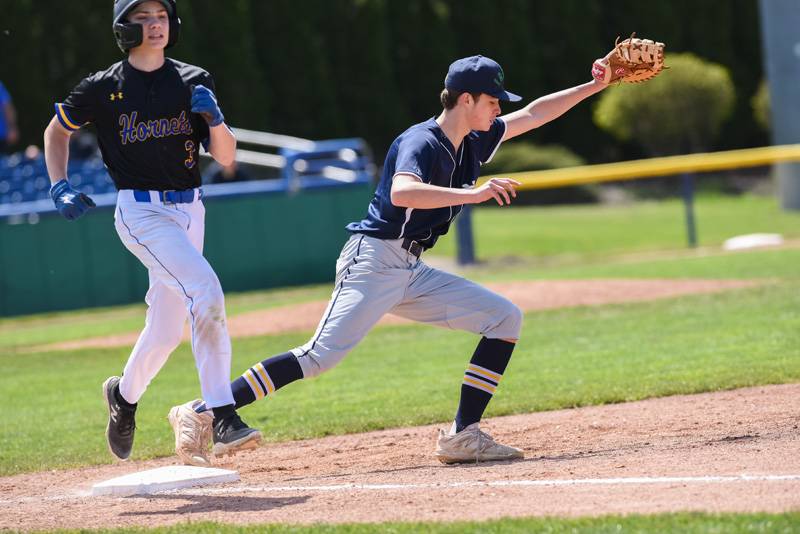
(148, 135)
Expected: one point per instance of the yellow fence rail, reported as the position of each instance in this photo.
(686, 166)
(648, 168)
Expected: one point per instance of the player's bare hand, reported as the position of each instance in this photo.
(500, 189)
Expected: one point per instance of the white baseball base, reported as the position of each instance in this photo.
(748, 241)
(167, 478)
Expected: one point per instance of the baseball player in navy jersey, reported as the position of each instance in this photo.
(152, 114)
(429, 174)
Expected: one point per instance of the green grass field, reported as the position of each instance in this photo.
(615, 353)
(634, 524)
(567, 357)
(585, 232)
(67, 326)
(707, 263)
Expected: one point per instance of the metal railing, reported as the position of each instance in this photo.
(266, 139)
(298, 165)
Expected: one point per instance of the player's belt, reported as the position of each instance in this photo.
(187, 196)
(413, 247)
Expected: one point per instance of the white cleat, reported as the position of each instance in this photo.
(192, 433)
(473, 445)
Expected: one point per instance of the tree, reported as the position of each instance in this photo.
(760, 105)
(213, 38)
(681, 110)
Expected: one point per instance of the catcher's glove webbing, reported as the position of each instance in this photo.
(632, 60)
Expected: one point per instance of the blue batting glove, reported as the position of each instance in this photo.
(205, 103)
(70, 203)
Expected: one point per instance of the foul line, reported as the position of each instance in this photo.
(230, 490)
(498, 483)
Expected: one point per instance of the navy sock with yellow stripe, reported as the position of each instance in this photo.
(481, 378)
(263, 379)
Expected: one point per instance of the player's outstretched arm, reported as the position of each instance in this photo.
(549, 107)
(632, 60)
(409, 192)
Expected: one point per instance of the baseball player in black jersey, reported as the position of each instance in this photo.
(429, 173)
(152, 114)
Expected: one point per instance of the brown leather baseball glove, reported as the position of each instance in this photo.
(632, 60)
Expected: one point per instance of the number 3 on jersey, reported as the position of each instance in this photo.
(190, 148)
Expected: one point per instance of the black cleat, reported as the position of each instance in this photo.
(121, 421)
(232, 435)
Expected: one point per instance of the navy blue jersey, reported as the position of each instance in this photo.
(148, 135)
(425, 151)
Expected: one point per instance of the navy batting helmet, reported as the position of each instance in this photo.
(130, 35)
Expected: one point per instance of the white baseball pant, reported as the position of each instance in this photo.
(168, 239)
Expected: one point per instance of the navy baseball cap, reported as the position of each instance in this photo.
(478, 74)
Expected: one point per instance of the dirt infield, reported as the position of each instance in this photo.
(716, 452)
(528, 295)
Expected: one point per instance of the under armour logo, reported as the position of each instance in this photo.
(116, 96)
(67, 199)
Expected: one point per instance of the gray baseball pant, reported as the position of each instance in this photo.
(377, 276)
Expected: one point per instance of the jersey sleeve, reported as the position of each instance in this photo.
(416, 156)
(489, 141)
(79, 108)
(207, 80)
